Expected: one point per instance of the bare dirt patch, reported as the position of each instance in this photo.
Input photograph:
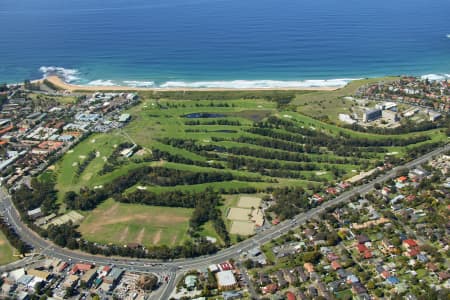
(157, 237)
(248, 202)
(239, 214)
(124, 234)
(113, 216)
(140, 236)
(242, 228)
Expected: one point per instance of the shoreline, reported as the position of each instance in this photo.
(57, 81)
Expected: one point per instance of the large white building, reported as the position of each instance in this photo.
(226, 280)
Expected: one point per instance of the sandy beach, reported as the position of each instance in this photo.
(72, 87)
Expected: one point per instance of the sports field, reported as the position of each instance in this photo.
(6, 251)
(120, 223)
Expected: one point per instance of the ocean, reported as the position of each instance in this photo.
(223, 43)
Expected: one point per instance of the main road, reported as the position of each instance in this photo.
(175, 267)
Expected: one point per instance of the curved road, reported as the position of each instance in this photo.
(174, 268)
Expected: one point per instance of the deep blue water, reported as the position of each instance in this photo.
(217, 41)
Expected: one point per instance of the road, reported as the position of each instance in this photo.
(176, 267)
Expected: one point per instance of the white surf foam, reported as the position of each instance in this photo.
(68, 75)
(136, 83)
(435, 77)
(101, 82)
(249, 84)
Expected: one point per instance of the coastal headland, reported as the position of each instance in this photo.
(59, 83)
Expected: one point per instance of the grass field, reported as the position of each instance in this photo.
(120, 223)
(331, 103)
(6, 251)
(223, 143)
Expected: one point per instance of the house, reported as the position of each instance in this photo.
(264, 279)
(331, 191)
(105, 271)
(226, 280)
(35, 213)
(362, 239)
(301, 274)
(226, 266)
(89, 277)
(368, 254)
(409, 243)
(39, 274)
(312, 291)
(422, 258)
(343, 273)
(190, 282)
(282, 283)
(80, 268)
(71, 281)
(331, 256)
(270, 288)
(385, 274)
(432, 267)
(337, 285)
(213, 268)
(322, 289)
(290, 296)
(380, 269)
(393, 280)
(124, 118)
(335, 265)
(289, 276)
(401, 179)
(358, 288)
(308, 267)
(352, 279)
(232, 295)
(361, 248)
(114, 276)
(413, 252)
(301, 295)
(443, 276)
(385, 191)
(62, 266)
(317, 198)
(388, 247)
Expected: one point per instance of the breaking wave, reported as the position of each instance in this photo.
(68, 75)
(436, 77)
(135, 83)
(258, 84)
(73, 76)
(100, 82)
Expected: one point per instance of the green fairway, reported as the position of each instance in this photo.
(6, 251)
(120, 223)
(231, 142)
(103, 145)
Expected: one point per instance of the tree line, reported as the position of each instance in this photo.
(114, 159)
(41, 194)
(66, 235)
(83, 165)
(88, 199)
(224, 122)
(13, 238)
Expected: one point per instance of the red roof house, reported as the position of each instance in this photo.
(361, 248)
(335, 265)
(290, 296)
(409, 243)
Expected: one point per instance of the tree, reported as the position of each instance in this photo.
(147, 282)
